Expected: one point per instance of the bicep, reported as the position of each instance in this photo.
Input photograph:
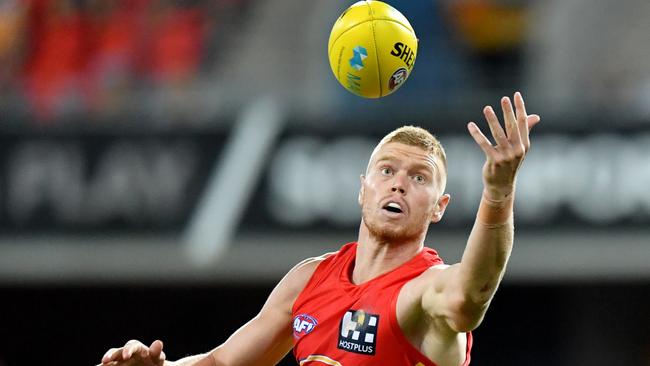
(268, 337)
(264, 340)
(444, 301)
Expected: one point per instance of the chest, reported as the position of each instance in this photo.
(352, 325)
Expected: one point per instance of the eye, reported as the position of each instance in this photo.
(419, 179)
(386, 171)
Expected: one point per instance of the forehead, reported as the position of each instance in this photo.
(395, 151)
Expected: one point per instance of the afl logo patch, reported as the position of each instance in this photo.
(398, 77)
(303, 324)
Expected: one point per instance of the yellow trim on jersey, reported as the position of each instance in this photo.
(320, 358)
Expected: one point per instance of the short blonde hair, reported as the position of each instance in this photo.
(418, 137)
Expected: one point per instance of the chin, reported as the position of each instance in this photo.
(385, 233)
(389, 231)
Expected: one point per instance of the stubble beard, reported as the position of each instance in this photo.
(391, 234)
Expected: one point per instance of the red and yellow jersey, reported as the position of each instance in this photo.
(338, 323)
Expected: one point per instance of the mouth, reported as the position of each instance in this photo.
(393, 207)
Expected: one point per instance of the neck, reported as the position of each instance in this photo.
(376, 256)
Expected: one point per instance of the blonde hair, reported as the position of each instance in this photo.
(418, 137)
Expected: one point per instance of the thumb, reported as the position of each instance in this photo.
(155, 351)
(533, 119)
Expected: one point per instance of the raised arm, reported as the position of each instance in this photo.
(264, 340)
(460, 294)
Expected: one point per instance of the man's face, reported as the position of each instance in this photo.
(402, 192)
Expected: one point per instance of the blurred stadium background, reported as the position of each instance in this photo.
(164, 163)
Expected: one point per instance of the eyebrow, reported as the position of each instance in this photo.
(418, 166)
(385, 157)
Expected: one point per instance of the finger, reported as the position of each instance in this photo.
(112, 354)
(155, 350)
(143, 352)
(533, 120)
(139, 350)
(129, 348)
(520, 106)
(480, 139)
(510, 121)
(497, 132)
(522, 120)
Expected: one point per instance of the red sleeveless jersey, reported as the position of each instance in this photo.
(336, 322)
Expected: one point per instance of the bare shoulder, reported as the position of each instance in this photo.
(426, 330)
(300, 274)
(296, 279)
(432, 283)
(429, 276)
(411, 295)
(312, 262)
(415, 296)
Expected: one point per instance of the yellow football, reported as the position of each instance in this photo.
(372, 49)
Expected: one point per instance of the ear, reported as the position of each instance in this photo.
(362, 179)
(440, 208)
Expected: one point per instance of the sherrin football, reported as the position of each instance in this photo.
(372, 49)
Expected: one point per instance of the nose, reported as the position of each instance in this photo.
(398, 184)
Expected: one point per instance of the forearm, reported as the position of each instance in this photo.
(488, 248)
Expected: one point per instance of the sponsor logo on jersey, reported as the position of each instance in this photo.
(404, 53)
(303, 324)
(358, 55)
(358, 332)
(397, 78)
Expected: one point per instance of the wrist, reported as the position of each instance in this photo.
(498, 197)
(495, 211)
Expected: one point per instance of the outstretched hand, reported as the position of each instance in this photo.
(134, 353)
(505, 157)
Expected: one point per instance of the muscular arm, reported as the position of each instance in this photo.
(264, 340)
(267, 338)
(488, 248)
(459, 295)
